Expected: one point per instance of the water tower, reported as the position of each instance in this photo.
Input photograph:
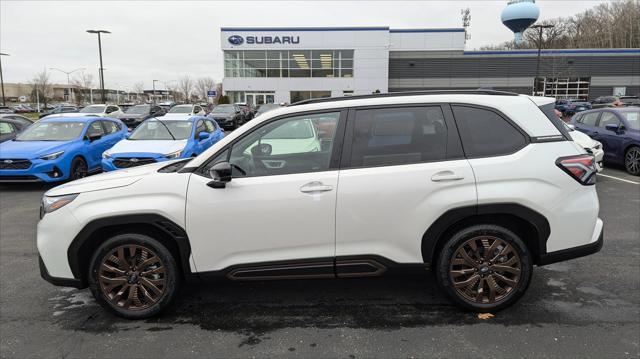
(519, 15)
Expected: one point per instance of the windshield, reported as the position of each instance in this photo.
(224, 109)
(291, 130)
(138, 109)
(180, 109)
(633, 119)
(52, 131)
(93, 109)
(155, 130)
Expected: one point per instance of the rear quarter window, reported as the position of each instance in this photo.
(485, 133)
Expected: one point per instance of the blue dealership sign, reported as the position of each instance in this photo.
(236, 40)
(211, 93)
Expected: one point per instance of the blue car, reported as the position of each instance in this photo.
(58, 149)
(162, 139)
(618, 129)
(570, 107)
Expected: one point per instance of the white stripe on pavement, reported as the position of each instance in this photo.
(618, 178)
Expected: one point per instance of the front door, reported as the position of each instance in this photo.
(279, 205)
(401, 169)
(611, 141)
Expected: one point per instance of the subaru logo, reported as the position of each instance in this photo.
(236, 40)
(8, 161)
(134, 160)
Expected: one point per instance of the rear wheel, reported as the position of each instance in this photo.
(79, 169)
(133, 276)
(632, 161)
(484, 267)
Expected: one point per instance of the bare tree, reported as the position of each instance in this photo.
(138, 88)
(185, 87)
(203, 85)
(41, 87)
(84, 83)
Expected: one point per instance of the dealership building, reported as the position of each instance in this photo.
(285, 65)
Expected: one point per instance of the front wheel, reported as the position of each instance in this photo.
(79, 169)
(484, 267)
(133, 276)
(632, 161)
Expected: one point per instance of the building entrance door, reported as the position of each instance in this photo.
(258, 99)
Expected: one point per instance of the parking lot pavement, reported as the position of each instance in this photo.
(586, 308)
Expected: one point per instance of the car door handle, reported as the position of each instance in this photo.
(315, 186)
(446, 176)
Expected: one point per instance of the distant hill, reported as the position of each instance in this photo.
(608, 25)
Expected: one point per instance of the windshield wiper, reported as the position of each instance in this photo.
(168, 130)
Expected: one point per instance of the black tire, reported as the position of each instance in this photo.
(141, 304)
(632, 160)
(451, 263)
(78, 169)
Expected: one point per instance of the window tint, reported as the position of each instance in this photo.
(200, 128)
(590, 119)
(485, 133)
(110, 127)
(6, 127)
(95, 129)
(608, 118)
(285, 146)
(395, 136)
(111, 109)
(210, 127)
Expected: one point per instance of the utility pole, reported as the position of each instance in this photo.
(154, 91)
(1, 78)
(104, 99)
(539, 27)
(68, 78)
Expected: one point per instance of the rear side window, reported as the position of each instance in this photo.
(395, 136)
(549, 111)
(590, 119)
(485, 133)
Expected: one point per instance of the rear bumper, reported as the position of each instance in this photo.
(63, 282)
(576, 252)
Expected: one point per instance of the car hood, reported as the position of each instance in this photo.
(131, 115)
(107, 180)
(30, 149)
(582, 139)
(160, 147)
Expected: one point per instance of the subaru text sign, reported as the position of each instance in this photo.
(260, 40)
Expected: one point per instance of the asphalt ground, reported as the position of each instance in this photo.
(585, 308)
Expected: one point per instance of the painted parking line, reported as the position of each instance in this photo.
(618, 178)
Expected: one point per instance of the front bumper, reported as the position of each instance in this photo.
(39, 171)
(62, 282)
(576, 252)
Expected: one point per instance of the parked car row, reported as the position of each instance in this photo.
(59, 147)
(11, 125)
(618, 129)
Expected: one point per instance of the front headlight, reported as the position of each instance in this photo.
(52, 156)
(106, 155)
(50, 204)
(173, 155)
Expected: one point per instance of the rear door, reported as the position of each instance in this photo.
(402, 167)
(588, 124)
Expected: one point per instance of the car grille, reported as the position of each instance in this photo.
(132, 162)
(11, 164)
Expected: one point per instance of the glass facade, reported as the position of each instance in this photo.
(288, 63)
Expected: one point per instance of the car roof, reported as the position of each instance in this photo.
(177, 117)
(82, 119)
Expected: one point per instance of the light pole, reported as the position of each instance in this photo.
(100, 52)
(1, 79)
(539, 27)
(154, 91)
(68, 78)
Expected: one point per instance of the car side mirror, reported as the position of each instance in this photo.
(94, 137)
(221, 174)
(613, 127)
(203, 135)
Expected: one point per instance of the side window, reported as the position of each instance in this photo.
(197, 109)
(485, 133)
(110, 127)
(95, 129)
(285, 146)
(590, 118)
(200, 127)
(608, 118)
(210, 126)
(6, 127)
(395, 136)
(111, 109)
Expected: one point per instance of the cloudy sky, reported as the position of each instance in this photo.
(165, 40)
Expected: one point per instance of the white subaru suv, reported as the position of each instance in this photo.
(477, 186)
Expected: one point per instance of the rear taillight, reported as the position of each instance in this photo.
(582, 168)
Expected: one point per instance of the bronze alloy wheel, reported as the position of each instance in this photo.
(132, 277)
(485, 270)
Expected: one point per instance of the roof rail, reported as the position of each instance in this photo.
(406, 93)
